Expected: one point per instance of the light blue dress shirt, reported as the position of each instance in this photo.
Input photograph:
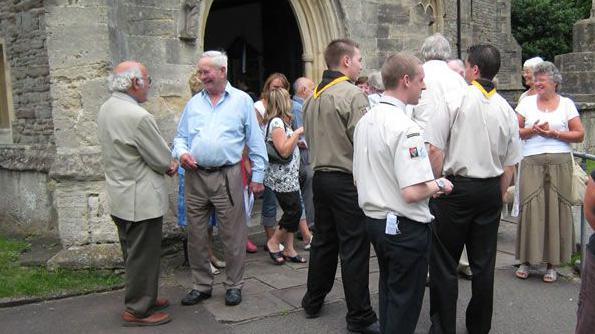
(215, 135)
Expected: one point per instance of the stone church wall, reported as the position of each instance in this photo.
(22, 26)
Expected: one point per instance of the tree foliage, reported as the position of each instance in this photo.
(544, 27)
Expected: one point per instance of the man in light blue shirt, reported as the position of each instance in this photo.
(304, 88)
(216, 126)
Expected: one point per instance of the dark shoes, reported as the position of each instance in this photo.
(194, 297)
(233, 297)
(373, 328)
(155, 319)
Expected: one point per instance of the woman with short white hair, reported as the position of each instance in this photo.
(528, 66)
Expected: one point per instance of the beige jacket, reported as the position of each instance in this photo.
(329, 123)
(135, 159)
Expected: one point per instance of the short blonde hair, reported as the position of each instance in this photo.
(195, 83)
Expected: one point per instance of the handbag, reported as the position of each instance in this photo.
(274, 155)
(579, 183)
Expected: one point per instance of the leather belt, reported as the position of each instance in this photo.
(213, 169)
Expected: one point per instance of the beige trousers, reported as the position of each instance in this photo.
(545, 233)
(221, 191)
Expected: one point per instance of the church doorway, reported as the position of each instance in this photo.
(260, 37)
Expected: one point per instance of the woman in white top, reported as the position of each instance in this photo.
(548, 124)
(528, 66)
(283, 178)
(269, 204)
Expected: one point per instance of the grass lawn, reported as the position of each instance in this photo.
(16, 281)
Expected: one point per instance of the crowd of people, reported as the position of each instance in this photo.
(413, 160)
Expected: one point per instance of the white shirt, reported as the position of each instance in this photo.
(444, 89)
(557, 120)
(373, 99)
(389, 155)
(479, 138)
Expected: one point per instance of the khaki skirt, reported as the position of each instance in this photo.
(545, 233)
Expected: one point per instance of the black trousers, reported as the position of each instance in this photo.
(141, 249)
(403, 262)
(469, 216)
(340, 230)
(292, 210)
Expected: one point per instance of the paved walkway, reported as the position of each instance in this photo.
(272, 295)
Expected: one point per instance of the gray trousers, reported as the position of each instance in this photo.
(307, 195)
(141, 249)
(222, 191)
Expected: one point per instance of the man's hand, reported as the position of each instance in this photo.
(256, 188)
(188, 162)
(173, 168)
(447, 188)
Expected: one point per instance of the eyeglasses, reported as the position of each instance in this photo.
(149, 80)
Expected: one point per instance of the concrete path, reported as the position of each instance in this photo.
(271, 300)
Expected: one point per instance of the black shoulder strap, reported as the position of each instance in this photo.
(266, 135)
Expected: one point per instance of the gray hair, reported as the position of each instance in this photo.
(531, 62)
(375, 80)
(435, 47)
(548, 68)
(219, 58)
(122, 82)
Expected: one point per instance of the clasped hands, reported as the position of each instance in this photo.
(544, 130)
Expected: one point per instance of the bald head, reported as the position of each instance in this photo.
(131, 78)
(303, 87)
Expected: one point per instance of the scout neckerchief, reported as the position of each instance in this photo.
(330, 84)
(483, 90)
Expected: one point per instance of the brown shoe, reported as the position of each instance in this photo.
(155, 319)
(160, 304)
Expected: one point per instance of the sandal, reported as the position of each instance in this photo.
(277, 257)
(522, 272)
(295, 259)
(550, 276)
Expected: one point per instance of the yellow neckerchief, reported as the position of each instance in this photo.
(482, 90)
(330, 84)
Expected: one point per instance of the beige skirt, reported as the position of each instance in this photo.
(545, 233)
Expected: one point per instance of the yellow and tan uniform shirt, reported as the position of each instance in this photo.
(329, 123)
(389, 155)
(479, 138)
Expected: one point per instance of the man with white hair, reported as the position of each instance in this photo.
(135, 159)
(214, 128)
(376, 88)
(304, 88)
(443, 86)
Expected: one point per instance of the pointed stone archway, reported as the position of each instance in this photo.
(317, 22)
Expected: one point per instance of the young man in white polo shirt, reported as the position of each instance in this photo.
(394, 180)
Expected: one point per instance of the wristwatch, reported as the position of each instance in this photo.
(440, 184)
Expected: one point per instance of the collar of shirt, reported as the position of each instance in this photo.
(298, 99)
(384, 99)
(205, 95)
(124, 96)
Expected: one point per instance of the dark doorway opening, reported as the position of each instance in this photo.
(260, 37)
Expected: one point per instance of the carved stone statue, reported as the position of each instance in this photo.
(191, 11)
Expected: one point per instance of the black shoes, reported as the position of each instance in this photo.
(373, 328)
(194, 297)
(233, 297)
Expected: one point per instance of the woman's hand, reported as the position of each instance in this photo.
(545, 131)
(299, 131)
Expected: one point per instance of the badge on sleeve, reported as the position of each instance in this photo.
(413, 152)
